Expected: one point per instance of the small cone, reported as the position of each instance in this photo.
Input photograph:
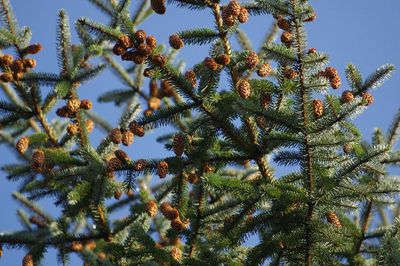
(290, 73)
(347, 148)
(233, 8)
(162, 169)
(76, 246)
(6, 77)
(27, 260)
(136, 129)
(118, 49)
(331, 72)
(265, 100)
(312, 18)
(151, 209)
(318, 107)
(160, 60)
(140, 35)
(264, 70)
(191, 77)
(312, 51)
(101, 255)
(210, 63)
(347, 97)
(37, 161)
(22, 145)
(127, 137)
(175, 42)
(171, 214)
(118, 194)
(176, 253)
(243, 88)
(116, 136)
(144, 49)
(153, 88)
(192, 178)
(6, 60)
(136, 57)
(223, 59)
(179, 144)
(286, 37)
(86, 104)
(243, 15)
(227, 18)
(73, 105)
(251, 60)
(154, 103)
(333, 219)
(368, 98)
(63, 112)
(147, 72)
(165, 208)
(121, 155)
(114, 164)
(17, 66)
(33, 48)
(283, 23)
(72, 129)
(336, 83)
(125, 41)
(158, 6)
(178, 225)
(139, 165)
(151, 41)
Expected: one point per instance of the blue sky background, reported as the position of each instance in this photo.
(363, 32)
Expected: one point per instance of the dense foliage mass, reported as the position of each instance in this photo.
(217, 187)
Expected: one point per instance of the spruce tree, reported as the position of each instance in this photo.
(231, 114)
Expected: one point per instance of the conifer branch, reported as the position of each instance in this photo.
(364, 227)
(198, 219)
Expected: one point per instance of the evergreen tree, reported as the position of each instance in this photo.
(279, 106)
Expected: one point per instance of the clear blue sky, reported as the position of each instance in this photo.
(363, 32)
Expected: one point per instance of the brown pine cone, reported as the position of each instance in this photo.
(76, 246)
(140, 35)
(144, 49)
(148, 112)
(101, 255)
(264, 70)
(347, 148)
(90, 244)
(18, 75)
(233, 8)
(166, 89)
(153, 88)
(135, 56)
(37, 161)
(6, 60)
(162, 169)
(89, 125)
(118, 194)
(86, 104)
(251, 60)
(164, 208)
(33, 49)
(73, 105)
(265, 100)
(178, 225)
(151, 209)
(191, 77)
(336, 83)
(368, 98)
(122, 156)
(193, 178)
(17, 66)
(72, 129)
(171, 214)
(158, 6)
(227, 18)
(154, 103)
(22, 145)
(1, 251)
(290, 73)
(116, 136)
(160, 60)
(118, 49)
(125, 41)
(243, 15)
(113, 164)
(318, 107)
(151, 41)
(136, 128)
(179, 144)
(208, 168)
(312, 18)
(139, 165)
(210, 63)
(283, 23)
(333, 219)
(176, 241)
(63, 111)
(331, 72)
(6, 77)
(223, 59)
(147, 72)
(286, 37)
(312, 51)
(347, 96)
(244, 89)
(28, 259)
(175, 41)
(127, 138)
(176, 253)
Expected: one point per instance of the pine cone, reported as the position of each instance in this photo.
(147, 112)
(290, 73)
(18, 75)
(28, 259)
(151, 209)
(318, 107)
(158, 6)
(1, 251)
(37, 161)
(76, 246)
(176, 253)
(73, 105)
(264, 70)
(243, 15)
(127, 137)
(33, 49)
(72, 129)
(63, 112)
(89, 125)
(118, 194)
(251, 60)
(22, 145)
(331, 72)
(147, 72)
(118, 49)
(90, 244)
(336, 83)
(86, 104)
(136, 129)
(176, 241)
(153, 88)
(208, 168)
(347, 148)
(286, 37)
(101, 255)
(139, 165)
(283, 23)
(154, 103)
(17, 66)
(144, 49)
(151, 41)
(171, 214)
(191, 77)
(223, 59)
(265, 100)
(125, 41)
(122, 156)
(29, 62)
(347, 96)
(113, 164)
(233, 8)
(193, 178)
(333, 219)
(175, 41)
(6, 60)
(210, 63)
(227, 18)
(140, 35)
(178, 225)
(312, 18)
(116, 136)
(6, 77)
(135, 56)
(179, 144)
(244, 89)
(164, 208)
(37, 220)
(312, 51)
(160, 60)
(162, 169)
(368, 98)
